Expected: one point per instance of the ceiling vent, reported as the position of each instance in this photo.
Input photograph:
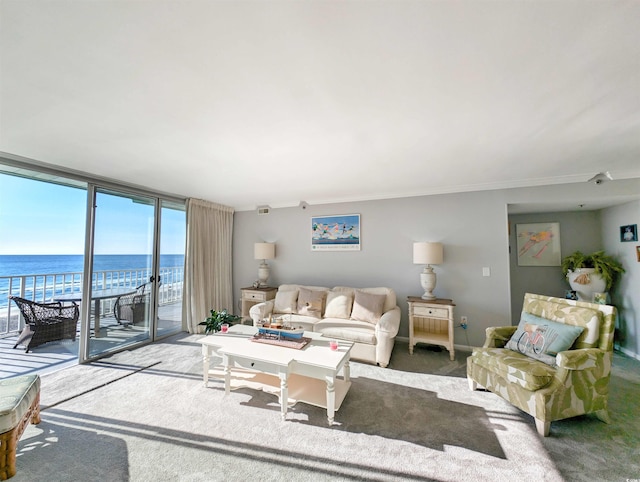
(264, 210)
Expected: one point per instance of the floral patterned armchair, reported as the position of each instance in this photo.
(576, 383)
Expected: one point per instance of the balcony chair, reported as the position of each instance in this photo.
(132, 309)
(45, 322)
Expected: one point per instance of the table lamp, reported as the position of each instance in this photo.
(428, 254)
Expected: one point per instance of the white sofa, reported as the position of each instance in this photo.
(368, 317)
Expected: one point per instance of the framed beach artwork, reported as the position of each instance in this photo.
(538, 244)
(340, 232)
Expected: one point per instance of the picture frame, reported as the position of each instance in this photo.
(538, 244)
(338, 232)
(601, 298)
(571, 295)
(628, 233)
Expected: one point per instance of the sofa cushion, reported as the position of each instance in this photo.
(514, 367)
(349, 330)
(389, 303)
(286, 302)
(542, 339)
(16, 396)
(311, 302)
(367, 306)
(338, 304)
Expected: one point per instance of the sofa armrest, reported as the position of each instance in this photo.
(498, 336)
(260, 311)
(581, 359)
(389, 322)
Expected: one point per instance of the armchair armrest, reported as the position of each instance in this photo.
(260, 311)
(582, 359)
(389, 322)
(498, 336)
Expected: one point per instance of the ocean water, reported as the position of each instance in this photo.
(36, 267)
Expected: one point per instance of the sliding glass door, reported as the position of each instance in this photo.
(127, 281)
(122, 292)
(173, 221)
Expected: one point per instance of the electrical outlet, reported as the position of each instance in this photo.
(463, 322)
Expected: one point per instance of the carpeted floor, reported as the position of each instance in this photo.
(145, 415)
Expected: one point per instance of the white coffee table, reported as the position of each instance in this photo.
(309, 375)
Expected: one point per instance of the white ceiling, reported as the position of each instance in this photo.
(273, 102)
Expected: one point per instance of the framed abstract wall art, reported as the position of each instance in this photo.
(340, 232)
(538, 244)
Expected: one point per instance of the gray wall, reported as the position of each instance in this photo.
(627, 296)
(578, 231)
(472, 226)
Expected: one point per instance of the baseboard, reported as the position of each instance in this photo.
(627, 352)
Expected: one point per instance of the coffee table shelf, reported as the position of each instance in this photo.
(301, 389)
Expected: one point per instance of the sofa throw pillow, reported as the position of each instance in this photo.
(311, 302)
(542, 339)
(338, 305)
(285, 302)
(367, 306)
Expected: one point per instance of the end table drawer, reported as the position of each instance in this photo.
(431, 312)
(255, 295)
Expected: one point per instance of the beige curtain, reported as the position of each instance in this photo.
(208, 273)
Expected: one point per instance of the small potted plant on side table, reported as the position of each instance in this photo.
(216, 319)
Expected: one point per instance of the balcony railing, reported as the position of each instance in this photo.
(45, 288)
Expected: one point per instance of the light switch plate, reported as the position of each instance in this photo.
(486, 271)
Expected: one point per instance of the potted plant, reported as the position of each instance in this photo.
(216, 319)
(591, 273)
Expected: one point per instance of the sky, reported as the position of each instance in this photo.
(42, 218)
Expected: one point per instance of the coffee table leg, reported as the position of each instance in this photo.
(206, 362)
(227, 374)
(346, 371)
(331, 399)
(284, 395)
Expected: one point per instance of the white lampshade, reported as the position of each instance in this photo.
(264, 251)
(428, 253)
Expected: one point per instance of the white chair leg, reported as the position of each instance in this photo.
(473, 386)
(542, 427)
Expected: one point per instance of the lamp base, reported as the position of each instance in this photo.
(428, 282)
(263, 274)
